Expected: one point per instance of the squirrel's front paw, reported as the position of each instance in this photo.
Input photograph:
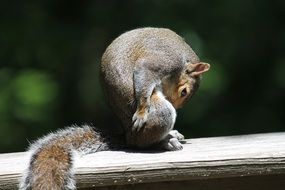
(139, 119)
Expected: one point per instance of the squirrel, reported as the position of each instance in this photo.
(139, 61)
(146, 74)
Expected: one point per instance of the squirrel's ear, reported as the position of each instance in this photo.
(199, 68)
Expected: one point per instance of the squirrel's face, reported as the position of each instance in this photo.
(188, 82)
(185, 89)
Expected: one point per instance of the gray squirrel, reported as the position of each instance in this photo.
(146, 74)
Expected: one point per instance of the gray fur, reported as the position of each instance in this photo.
(135, 64)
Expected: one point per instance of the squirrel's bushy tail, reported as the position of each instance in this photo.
(51, 160)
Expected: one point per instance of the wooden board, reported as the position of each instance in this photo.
(201, 159)
(274, 182)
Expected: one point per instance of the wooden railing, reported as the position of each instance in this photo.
(233, 162)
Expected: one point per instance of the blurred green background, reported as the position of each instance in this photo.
(51, 50)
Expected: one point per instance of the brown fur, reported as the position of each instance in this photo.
(52, 156)
(49, 166)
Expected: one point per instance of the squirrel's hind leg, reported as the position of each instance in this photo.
(172, 141)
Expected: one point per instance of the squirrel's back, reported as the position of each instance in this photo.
(142, 42)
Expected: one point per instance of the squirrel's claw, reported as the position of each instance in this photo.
(176, 134)
(139, 120)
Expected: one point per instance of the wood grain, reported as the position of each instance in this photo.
(201, 159)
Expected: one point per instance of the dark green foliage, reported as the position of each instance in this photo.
(51, 50)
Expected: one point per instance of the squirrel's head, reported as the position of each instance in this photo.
(188, 83)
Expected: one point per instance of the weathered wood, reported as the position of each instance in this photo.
(268, 182)
(259, 155)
